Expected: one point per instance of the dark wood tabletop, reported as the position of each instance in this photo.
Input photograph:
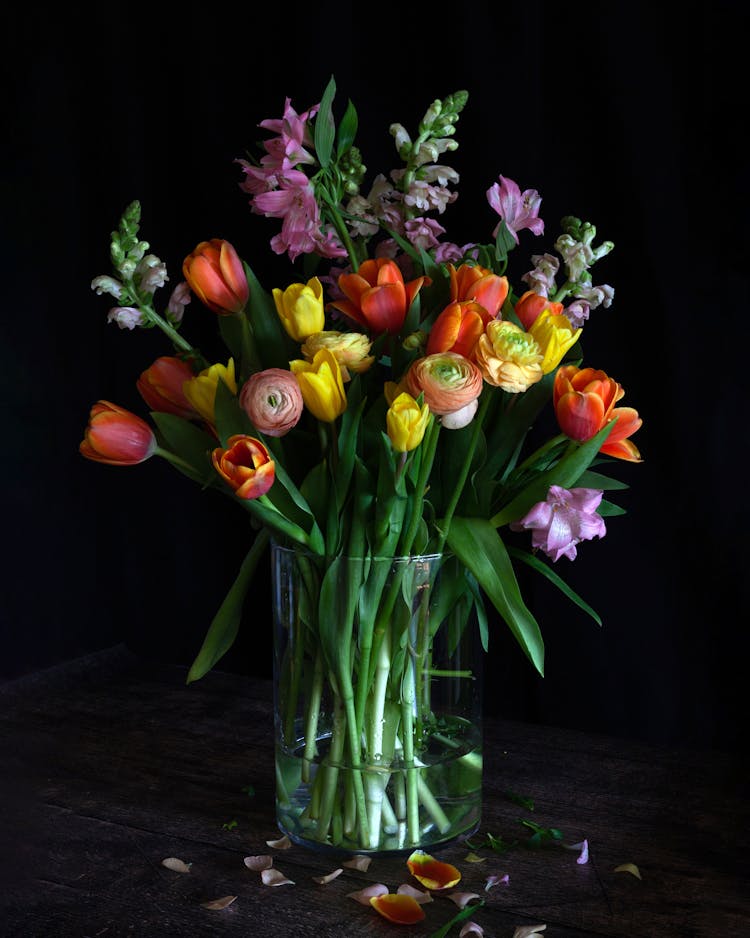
(112, 765)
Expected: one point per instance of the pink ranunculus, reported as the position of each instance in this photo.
(272, 400)
(566, 518)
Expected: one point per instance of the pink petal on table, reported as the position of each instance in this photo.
(462, 899)
(260, 862)
(275, 878)
(219, 903)
(179, 866)
(420, 895)
(527, 931)
(358, 863)
(283, 843)
(471, 928)
(364, 895)
(495, 879)
(328, 877)
(583, 846)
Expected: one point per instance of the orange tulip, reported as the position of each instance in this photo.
(214, 272)
(458, 328)
(246, 465)
(531, 305)
(377, 297)
(472, 282)
(584, 400)
(116, 436)
(160, 386)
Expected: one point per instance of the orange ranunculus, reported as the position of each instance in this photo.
(472, 282)
(531, 304)
(246, 465)
(458, 327)
(160, 386)
(215, 273)
(448, 381)
(116, 436)
(584, 401)
(376, 296)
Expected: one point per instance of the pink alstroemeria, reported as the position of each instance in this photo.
(517, 209)
(566, 518)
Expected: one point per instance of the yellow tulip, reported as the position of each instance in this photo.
(554, 335)
(321, 384)
(406, 422)
(301, 308)
(201, 390)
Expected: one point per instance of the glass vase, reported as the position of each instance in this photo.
(378, 702)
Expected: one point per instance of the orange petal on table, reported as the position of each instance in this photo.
(257, 863)
(358, 863)
(432, 873)
(420, 895)
(219, 903)
(283, 843)
(322, 880)
(403, 910)
(462, 899)
(275, 878)
(364, 895)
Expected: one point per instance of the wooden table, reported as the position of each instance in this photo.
(111, 765)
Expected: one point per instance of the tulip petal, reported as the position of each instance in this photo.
(432, 873)
(403, 910)
(363, 896)
(420, 895)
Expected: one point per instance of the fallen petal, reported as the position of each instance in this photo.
(474, 858)
(432, 873)
(219, 903)
(584, 857)
(179, 866)
(495, 880)
(471, 928)
(275, 878)
(328, 877)
(629, 868)
(401, 909)
(260, 862)
(283, 843)
(358, 863)
(525, 931)
(462, 899)
(369, 892)
(420, 895)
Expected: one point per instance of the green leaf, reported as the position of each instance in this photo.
(479, 547)
(325, 128)
(229, 417)
(339, 595)
(225, 625)
(190, 443)
(609, 509)
(347, 129)
(274, 346)
(465, 913)
(595, 480)
(504, 242)
(541, 567)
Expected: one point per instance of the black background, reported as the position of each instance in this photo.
(621, 114)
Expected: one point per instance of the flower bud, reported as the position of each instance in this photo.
(116, 436)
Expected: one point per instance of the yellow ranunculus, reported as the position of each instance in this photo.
(301, 308)
(555, 335)
(201, 390)
(406, 422)
(352, 350)
(508, 357)
(321, 384)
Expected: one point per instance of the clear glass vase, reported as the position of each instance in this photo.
(378, 702)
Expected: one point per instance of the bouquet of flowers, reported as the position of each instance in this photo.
(379, 406)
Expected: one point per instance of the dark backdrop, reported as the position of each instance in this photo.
(621, 114)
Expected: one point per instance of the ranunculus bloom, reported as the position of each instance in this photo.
(584, 400)
(215, 274)
(351, 349)
(555, 336)
(272, 400)
(161, 385)
(201, 389)
(246, 465)
(322, 385)
(566, 518)
(300, 308)
(508, 357)
(472, 282)
(448, 381)
(116, 436)
(406, 422)
(531, 304)
(457, 328)
(376, 296)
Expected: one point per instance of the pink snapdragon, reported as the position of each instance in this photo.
(517, 209)
(566, 518)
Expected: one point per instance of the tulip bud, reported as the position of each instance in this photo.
(216, 275)
(301, 309)
(116, 436)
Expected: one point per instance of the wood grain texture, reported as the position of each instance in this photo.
(111, 765)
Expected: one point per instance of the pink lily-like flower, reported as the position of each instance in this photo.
(289, 147)
(517, 209)
(566, 518)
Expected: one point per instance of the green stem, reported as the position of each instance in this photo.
(342, 231)
(312, 716)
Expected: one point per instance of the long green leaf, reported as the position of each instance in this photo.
(325, 128)
(480, 548)
(190, 443)
(347, 129)
(536, 564)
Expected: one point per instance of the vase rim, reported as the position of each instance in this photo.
(393, 558)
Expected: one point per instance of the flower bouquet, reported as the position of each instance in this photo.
(374, 419)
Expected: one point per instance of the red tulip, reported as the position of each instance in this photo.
(531, 304)
(458, 328)
(214, 272)
(116, 436)
(377, 297)
(472, 282)
(246, 465)
(160, 386)
(584, 401)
